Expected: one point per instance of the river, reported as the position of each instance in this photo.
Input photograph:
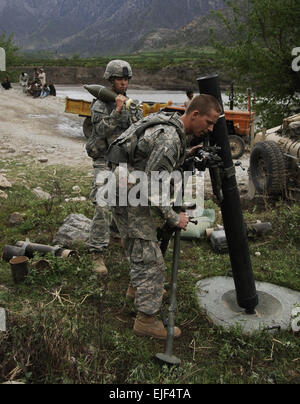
(177, 97)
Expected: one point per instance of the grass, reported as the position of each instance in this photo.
(64, 325)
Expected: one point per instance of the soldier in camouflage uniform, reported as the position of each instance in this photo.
(155, 144)
(109, 121)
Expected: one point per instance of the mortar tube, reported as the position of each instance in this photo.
(10, 251)
(57, 251)
(234, 225)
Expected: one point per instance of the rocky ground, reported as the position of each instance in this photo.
(40, 131)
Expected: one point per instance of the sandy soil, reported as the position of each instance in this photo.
(40, 129)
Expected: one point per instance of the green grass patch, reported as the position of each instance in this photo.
(154, 60)
(64, 325)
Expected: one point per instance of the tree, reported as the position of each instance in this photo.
(10, 49)
(264, 34)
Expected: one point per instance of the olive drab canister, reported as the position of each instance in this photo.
(117, 68)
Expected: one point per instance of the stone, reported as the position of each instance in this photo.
(3, 194)
(76, 227)
(39, 193)
(76, 199)
(16, 218)
(2, 320)
(4, 183)
(76, 188)
(43, 160)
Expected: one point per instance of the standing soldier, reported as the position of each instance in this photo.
(154, 145)
(109, 120)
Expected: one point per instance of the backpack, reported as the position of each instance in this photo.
(122, 150)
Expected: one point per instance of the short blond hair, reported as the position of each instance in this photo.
(204, 103)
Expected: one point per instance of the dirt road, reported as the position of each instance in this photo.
(39, 128)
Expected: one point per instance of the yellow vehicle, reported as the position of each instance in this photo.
(83, 109)
(238, 122)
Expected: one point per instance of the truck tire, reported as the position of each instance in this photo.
(268, 168)
(237, 146)
(87, 127)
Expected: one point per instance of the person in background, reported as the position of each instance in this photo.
(35, 74)
(45, 91)
(190, 95)
(6, 83)
(42, 77)
(52, 89)
(23, 81)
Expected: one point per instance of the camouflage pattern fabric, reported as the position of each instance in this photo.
(99, 232)
(107, 126)
(162, 149)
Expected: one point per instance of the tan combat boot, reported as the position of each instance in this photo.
(150, 326)
(99, 265)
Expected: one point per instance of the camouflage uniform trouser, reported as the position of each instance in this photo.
(101, 228)
(147, 266)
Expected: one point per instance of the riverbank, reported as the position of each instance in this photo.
(172, 78)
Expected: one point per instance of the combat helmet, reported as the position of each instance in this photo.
(117, 68)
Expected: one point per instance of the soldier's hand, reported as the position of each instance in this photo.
(120, 101)
(193, 149)
(183, 220)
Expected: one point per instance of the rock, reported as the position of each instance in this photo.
(76, 188)
(43, 160)
(76, 199)
(39, 193)
(3, 195)
(16, 218)
(4, 183)
(76, 227)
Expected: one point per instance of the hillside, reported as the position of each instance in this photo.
(101, 27)
(193, 35)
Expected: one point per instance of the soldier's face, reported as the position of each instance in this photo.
(201, 124)
(120, 85)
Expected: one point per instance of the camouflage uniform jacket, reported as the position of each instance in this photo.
(161, 147)
(108, 125)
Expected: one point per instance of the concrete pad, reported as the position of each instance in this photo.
(2, 319)
(217, 296)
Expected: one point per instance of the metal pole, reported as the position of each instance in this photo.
(168, 356)
(234, 225)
